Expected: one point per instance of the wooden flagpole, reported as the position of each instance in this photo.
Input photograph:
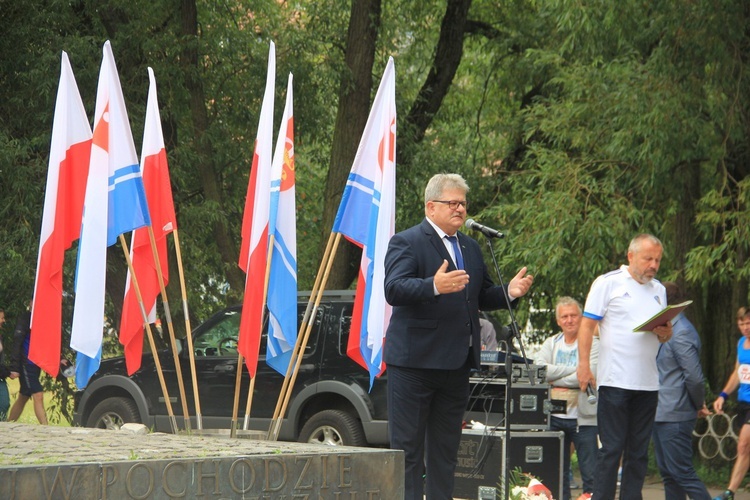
(236, 403)
(189, 330)
(275, 427)
(170, 327)
(273, 432)
(151, 342)
(238, 378)
(251, 389)
(248, 405)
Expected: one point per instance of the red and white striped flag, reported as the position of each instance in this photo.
(61, 220)
(254, 250)
(155, 172)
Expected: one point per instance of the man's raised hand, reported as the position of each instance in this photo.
(520, 284)
(450, 281)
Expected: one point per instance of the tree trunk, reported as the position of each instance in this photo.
(191, 69)
(354, 107)
(687, 191)
(353, 110)
(448, 55)
(723, 300)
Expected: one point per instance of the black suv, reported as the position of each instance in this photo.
(330, 402)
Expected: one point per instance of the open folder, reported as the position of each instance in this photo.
(661, 318)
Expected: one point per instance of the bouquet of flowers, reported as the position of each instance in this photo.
(527, 487)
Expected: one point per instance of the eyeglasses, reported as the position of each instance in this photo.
(453, 204)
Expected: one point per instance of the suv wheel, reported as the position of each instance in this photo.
(112, 413)
(333, 427)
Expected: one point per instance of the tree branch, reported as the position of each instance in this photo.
(448, 55)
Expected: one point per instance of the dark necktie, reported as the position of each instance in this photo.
(456, 252)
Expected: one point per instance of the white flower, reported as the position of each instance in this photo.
(534, 491)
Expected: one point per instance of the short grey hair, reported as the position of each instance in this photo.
(635, 243)
(440, 182)
(566, 301)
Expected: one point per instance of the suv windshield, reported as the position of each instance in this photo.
(220, 339)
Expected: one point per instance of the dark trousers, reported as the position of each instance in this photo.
(626, 419)
(673, 445)
(425, 415)
(584, 439)
(4, 400)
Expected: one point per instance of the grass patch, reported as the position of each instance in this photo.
(27, 416)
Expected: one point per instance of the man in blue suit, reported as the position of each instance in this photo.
(681, 402)
(436, 281)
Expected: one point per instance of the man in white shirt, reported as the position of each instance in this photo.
(627, 376)
(559, 353)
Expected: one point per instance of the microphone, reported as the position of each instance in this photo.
(592, 395)
(487, 231)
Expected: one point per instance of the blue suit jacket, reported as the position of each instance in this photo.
(681, 389)
(429, 331)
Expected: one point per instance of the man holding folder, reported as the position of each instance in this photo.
(628, 379)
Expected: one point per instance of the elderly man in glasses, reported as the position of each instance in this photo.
(436, 281)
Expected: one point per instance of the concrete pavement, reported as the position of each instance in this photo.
(654, 490)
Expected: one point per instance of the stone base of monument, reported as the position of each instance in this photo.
(80, 463)
(227, 433)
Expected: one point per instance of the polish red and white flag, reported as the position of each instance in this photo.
(155, 173)
(69, 155)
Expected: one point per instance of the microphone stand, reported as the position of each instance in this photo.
(514, 333)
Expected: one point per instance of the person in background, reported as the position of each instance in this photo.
(436, 280)
(740, 378)
(628, 380)
(559, 353)
(488, 335)
(23, 368)
(681, 403)
(4, 373)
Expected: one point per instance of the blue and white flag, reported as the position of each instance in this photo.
(115, 203)
(282, 281)
(366, 217)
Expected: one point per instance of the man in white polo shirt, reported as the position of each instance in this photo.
(628, 379)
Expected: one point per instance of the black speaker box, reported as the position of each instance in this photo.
(480, 470)
(529, 406)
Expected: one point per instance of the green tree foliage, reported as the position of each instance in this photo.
(639, 124)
